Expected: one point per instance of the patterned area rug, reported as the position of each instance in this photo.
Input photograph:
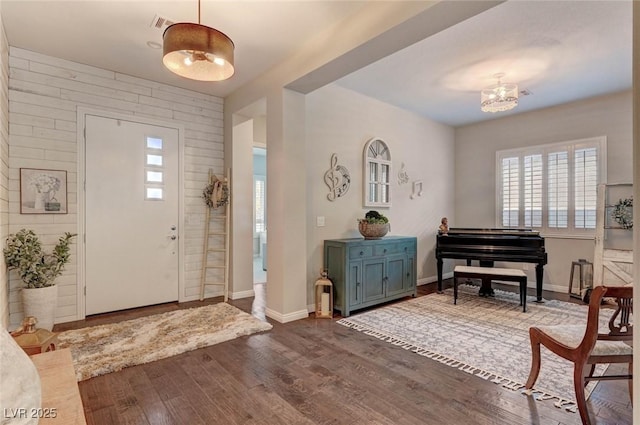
(109, 348)
(488, 337)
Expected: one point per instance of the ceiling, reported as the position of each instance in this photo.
(559, 51)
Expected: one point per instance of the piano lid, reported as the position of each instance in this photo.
(497, 232)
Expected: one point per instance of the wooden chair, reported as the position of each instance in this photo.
(586, 346)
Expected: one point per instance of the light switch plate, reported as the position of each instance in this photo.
(320, 221)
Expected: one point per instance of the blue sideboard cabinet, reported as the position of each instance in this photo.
(369, 272)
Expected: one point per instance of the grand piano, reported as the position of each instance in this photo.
(489, 245)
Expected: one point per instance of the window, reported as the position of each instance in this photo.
(154, 170)
(259, 189)
(377, 174)
(551, 188)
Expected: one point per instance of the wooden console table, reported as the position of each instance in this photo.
(61, 402)
(369, 272)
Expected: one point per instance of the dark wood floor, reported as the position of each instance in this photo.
(315, 372)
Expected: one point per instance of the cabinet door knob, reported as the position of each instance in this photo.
(385, 250)
(361, 252)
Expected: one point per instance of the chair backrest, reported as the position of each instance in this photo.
(620, 322)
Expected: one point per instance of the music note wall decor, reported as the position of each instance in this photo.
(337, 178)
(403, 177)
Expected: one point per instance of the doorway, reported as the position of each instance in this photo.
(260, 215)
(131, 211)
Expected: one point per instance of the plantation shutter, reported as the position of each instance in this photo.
(533, 190)
(510, 192)
(585, 191)
(558, 189)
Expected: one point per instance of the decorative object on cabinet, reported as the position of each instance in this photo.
(376, 174)
(443, 229)
(417, 189)
(369, 272)
(43, 191)
(403, 177)
(337, 178)
(374, 225)
(324, 296)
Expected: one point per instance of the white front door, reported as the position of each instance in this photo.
(131, 214)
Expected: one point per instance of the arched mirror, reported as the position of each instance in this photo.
(377, 174)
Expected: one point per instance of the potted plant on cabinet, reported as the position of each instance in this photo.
(38, 271)
(374, 225)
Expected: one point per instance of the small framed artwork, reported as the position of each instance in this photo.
(43, 191)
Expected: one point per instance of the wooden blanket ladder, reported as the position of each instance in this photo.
(215, 250)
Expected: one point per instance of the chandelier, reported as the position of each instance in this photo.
(197, 52)
(499, 97)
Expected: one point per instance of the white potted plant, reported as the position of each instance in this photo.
(38, 271)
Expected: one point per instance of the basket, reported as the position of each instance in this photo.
(373, 230)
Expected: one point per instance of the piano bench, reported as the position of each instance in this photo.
(487, 274)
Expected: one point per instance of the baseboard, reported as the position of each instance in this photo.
(286, 318)
(532, 285)
(242, 294)
(432, 279)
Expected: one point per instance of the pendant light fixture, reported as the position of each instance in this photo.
(499, 97)
(198, 52)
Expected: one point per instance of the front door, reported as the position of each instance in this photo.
(131, 214)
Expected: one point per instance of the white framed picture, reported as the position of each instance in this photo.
(43, 191)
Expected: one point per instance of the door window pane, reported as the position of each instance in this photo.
(154, 160)
(154, 176)
(154, 193)
(154, 143)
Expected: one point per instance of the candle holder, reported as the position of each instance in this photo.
(324, 297)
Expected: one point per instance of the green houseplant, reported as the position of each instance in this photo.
(374, 225)
(38, 271)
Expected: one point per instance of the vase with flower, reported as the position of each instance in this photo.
(44, 186)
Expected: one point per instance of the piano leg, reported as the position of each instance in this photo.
(539, 276)
(439, 275)
(485, 289)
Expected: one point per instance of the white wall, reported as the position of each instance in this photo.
(341, 121)
(44, 94)
(242, 210)
(4, 168)
(476, 147)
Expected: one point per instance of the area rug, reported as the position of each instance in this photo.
(109, 348)
(487, 337)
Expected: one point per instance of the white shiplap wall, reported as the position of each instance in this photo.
(4, 169)
(44, 94)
